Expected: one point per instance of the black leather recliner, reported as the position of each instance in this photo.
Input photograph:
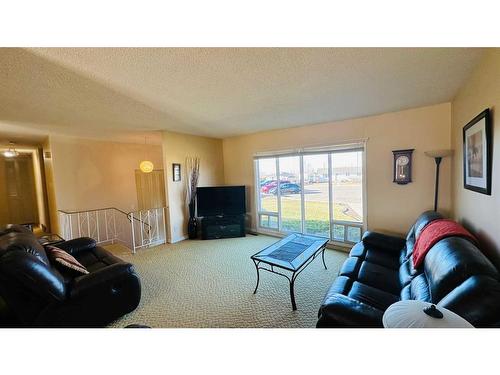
(379, 271)
(38, 295)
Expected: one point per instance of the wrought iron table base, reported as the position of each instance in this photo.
(291, 279)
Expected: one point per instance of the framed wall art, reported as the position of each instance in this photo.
(477, 153)
(176, 172)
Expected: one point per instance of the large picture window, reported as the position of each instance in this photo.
(317, 192)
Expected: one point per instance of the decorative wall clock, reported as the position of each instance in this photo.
(402, 166)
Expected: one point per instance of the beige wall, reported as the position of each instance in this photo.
(176, 147)
(479, 212)
(89, 174)
(391, 207)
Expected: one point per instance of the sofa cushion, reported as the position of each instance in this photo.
(358, 250)
(383, 241)
(380, 277)
(375, 255)
(379, 256)
(410, 245)
(452, 261)
(96, 259)
(341, 285)
(425, 219)
(419, 288)
(407, 272)
(411, 233)
(65, 261)
(78, 245)
(342, 311)
(351, 266)
(372, 296)
(405, 293)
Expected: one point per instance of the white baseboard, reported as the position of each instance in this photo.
(251, 231)
(178, 239)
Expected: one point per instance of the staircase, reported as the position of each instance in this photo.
(110, 225)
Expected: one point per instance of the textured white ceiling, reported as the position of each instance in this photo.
(229, 91)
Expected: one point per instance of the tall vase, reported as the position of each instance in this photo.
(192, 223)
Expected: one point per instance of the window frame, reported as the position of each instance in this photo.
(329, 150)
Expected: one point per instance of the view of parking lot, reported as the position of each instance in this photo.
(346, 191)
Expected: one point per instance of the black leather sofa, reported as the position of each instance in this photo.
(35, 294)
(379, 271)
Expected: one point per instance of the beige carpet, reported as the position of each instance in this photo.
(211, 283)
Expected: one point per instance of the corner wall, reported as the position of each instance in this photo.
(89, 174)
(479, 212)
(391, 207)
(176, 148)
(50, 186)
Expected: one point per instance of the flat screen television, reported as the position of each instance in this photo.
(221, 200)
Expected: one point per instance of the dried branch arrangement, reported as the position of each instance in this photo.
(193, 168)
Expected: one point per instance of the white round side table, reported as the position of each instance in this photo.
(420, 314)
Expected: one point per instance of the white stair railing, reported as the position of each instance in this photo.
(148, 227)
(111, 225)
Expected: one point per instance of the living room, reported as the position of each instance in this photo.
(291, 187)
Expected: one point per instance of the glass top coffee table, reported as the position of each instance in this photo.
(293, 254)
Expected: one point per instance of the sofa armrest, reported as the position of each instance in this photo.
(31, 273)
(77, 245)
(342, 311)
(476, 300)
(101, 279)
(384, 241)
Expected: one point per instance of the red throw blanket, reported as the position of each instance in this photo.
(435, 231)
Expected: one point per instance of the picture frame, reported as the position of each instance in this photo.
(402, 166)
(176, 172)
(477, 153)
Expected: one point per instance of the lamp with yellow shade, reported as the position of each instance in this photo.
(146, 166)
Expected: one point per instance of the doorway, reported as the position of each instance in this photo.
(18, 196)
(150, 189)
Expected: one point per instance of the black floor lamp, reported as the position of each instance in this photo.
(438, 155)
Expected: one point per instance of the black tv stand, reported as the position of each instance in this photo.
(222, 226)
